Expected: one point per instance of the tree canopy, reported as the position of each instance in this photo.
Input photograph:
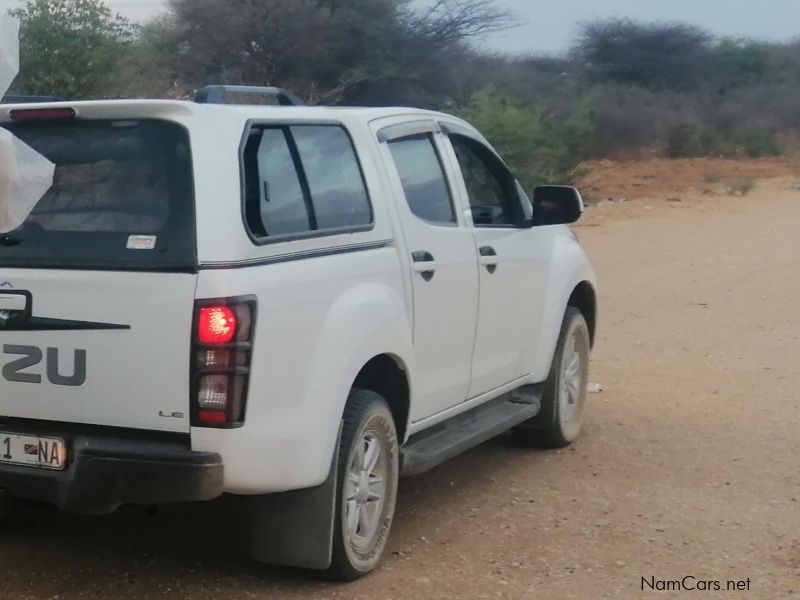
(325, 50)
(70, 48)
(651, 55)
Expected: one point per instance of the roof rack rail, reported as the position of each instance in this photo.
(244, 94)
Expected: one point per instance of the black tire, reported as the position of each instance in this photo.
(561, 419)
(367, 420)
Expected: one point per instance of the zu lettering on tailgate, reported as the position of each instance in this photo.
(19, 370)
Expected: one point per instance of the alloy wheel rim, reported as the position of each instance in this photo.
(365, 490)
(570, 382)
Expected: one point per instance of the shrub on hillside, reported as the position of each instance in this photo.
(756, 143)
(539, 147)
(685, 140)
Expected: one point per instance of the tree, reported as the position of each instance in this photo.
(71, 48)
(657, 56)
(738, 62)
(326, 50)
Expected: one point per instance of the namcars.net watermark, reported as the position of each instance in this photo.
(690, 583)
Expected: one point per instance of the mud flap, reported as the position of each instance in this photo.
(295, 529)
(546, 418)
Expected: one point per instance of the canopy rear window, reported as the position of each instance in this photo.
(122, 198)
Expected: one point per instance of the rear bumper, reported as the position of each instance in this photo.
(104, 473)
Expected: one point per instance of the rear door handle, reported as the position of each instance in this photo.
(489, 258)
(424, 264)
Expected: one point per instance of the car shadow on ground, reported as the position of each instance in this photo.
(208, 542)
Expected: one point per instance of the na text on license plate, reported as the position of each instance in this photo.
(33, 451)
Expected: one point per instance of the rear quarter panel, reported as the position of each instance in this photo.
(319, 321)
(320, 318)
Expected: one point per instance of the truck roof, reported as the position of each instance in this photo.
(113, 109)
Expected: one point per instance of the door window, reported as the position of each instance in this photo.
(423, 179)
(494, 196)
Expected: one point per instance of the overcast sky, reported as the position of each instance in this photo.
(548, 25)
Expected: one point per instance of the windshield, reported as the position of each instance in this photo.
(122, 198)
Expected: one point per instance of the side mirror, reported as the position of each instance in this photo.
(556, 205)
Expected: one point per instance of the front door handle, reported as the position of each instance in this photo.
(489, 258)
(424, 264)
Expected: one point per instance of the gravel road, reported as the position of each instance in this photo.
(689, 466)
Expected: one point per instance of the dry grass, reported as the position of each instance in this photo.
(794, 164)
(738, 186)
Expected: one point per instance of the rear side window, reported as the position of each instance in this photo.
(282, 204)
(122, 198)
(301, 181)
(423, 179)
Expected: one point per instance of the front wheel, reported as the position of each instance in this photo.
(564, 397)
(369, 467)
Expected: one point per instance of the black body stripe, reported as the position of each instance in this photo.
(283, 258)
(42, 324)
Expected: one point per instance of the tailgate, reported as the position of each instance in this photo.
(99, 348)
(97, 285)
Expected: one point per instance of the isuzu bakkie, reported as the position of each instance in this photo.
(292, 304)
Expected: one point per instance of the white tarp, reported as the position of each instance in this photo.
(25, 175)
(9, 52)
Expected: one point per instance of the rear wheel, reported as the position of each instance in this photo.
(367, 488)
(564, 397)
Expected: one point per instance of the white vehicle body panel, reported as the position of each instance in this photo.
(445, 307)
(130, 372)
(320, 320)
(326, 306)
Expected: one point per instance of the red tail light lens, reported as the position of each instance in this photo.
(221, 354)
(216, 325)
(212, 417)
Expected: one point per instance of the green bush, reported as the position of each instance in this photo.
(689, 140)
(539, 146)
(756, 143)
(686, 140)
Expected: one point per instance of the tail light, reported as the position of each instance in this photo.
(222, 348)
(42, 114)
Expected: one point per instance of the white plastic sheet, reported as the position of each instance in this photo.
(25, 175)
(9, 52)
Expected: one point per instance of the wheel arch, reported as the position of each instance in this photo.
(584, 298)
(571, 281)
(387, 375)
(376, 355)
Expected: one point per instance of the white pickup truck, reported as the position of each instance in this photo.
(296, 305)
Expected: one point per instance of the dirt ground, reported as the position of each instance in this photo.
(659, 177)
(689, 465)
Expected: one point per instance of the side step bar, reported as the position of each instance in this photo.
(442, 442)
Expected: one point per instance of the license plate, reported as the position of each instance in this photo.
(33, 451)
